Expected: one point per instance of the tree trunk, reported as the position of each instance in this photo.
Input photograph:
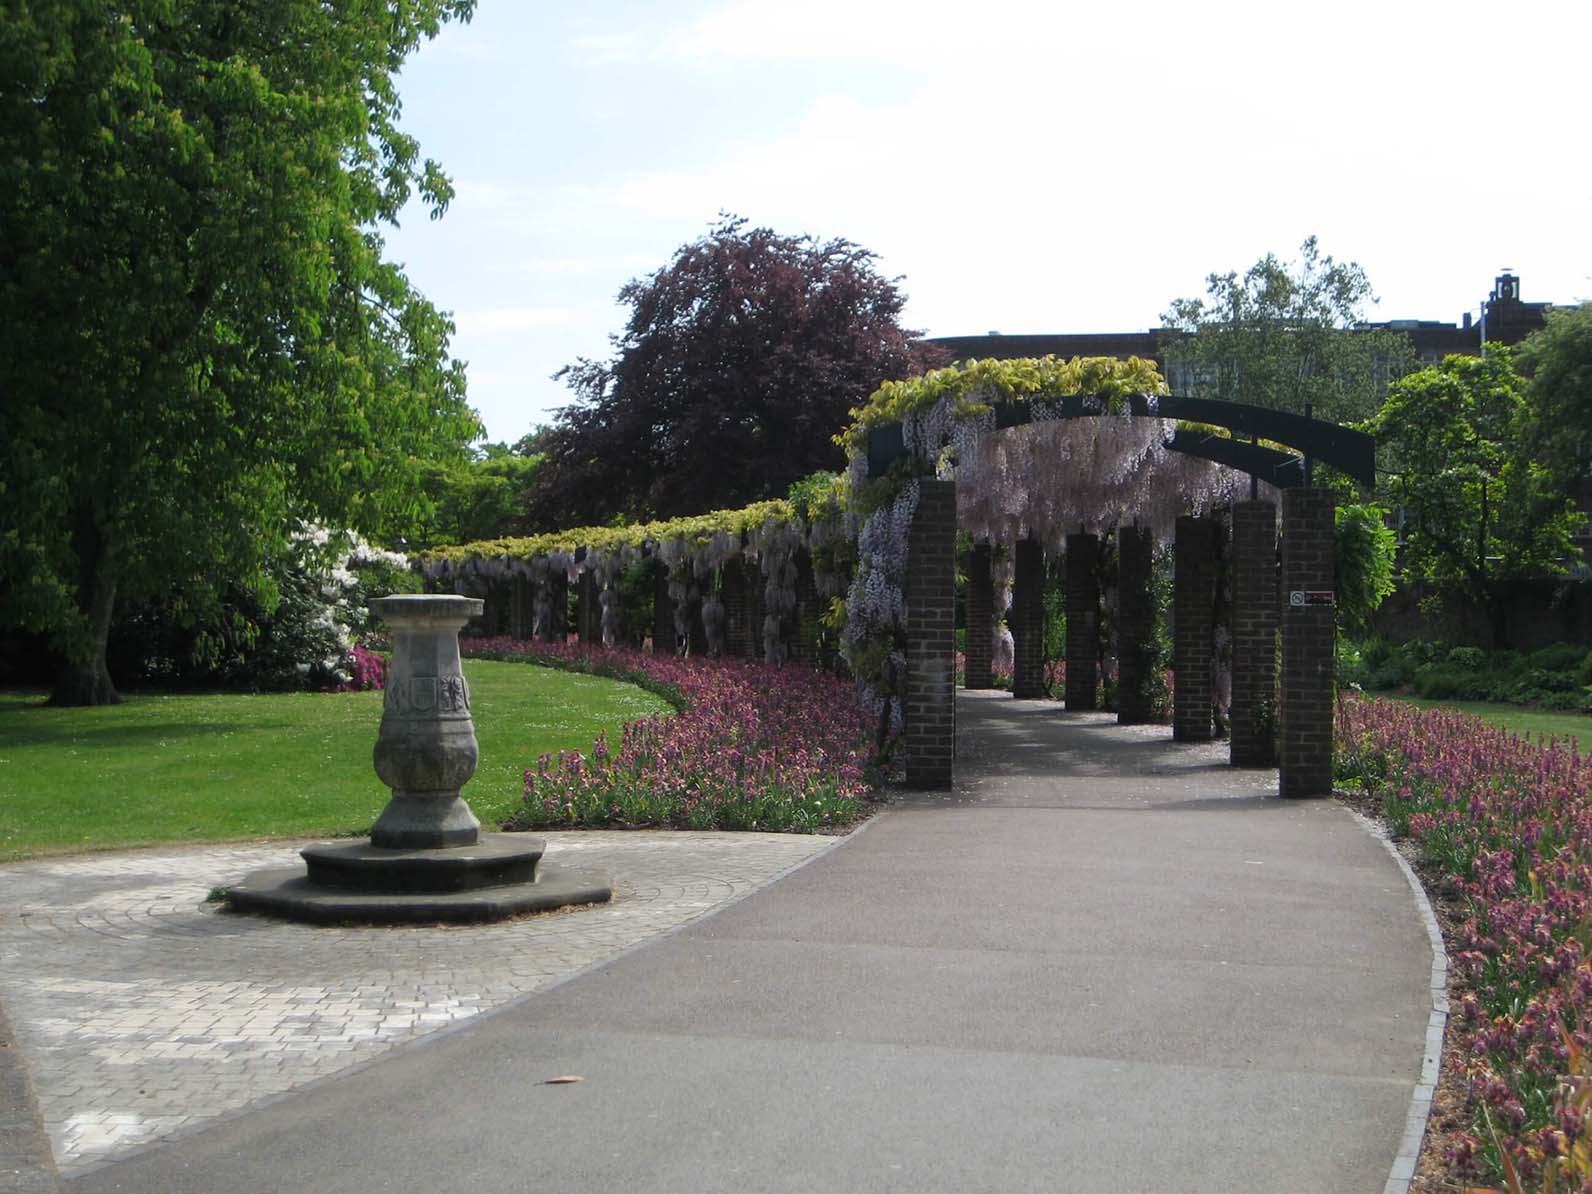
(86, 679)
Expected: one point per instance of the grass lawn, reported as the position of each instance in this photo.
(1523, 721)
(213, 767)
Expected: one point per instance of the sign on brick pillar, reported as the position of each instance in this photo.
(980, 618)
(806, 610)
(1304, 739)
(1254, 711)
(1083, 621)
(930, 695)
(662, 611)
(1026, 619)
(558, 604)
(1193, 596)
(1136, 651)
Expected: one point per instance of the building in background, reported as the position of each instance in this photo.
(1504, 320)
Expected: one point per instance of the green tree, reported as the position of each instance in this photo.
(1557, 362)
(1284, 335)
(1480, 511)
(481, 498)
(1365, 551)
(200, 344)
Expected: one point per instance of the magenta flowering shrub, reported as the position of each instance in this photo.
(752, 746)
(1510, 820)
(366, 670)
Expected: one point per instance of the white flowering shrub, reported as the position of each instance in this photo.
(318, 635)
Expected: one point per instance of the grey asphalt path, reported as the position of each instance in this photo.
(1106, 963)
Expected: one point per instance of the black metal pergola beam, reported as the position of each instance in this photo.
(1352, 452)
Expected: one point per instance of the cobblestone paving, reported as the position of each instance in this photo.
(145, 1011)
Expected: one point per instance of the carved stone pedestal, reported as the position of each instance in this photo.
(426, 859)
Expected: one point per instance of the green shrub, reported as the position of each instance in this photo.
(1444, 682)
(1423, 651)
(1376, 651)
(1468, 659)
(1388, 675)
(1349, 664)
(1560, 657)
(1579, 701)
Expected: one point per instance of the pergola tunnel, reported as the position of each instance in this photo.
(1031, 461)
(1033, 458)
(1284, 718)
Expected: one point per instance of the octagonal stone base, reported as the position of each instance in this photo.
(357, 882)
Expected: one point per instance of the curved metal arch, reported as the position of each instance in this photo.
(1353, 452)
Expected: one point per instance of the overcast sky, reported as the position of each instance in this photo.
(1026, 167)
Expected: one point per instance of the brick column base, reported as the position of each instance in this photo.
(1193, 596)
(1254, 711)
(1304, 741)
(931, 638)
(1083, 621)
(980, 618)
(1026, 618)
(1136, 653)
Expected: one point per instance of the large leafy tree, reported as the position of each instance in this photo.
(200, 343)
(1284, 335)
(1557, 360)
(1481, 511)
(740, 361)
(481, 498)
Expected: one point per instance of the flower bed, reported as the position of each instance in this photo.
(1510, 821)
(752, 747)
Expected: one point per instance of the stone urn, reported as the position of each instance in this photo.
(426, 748)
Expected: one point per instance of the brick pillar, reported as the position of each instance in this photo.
(662, 611)
(759, 607)
(980, 618)
(1254, 712)
(1136, 654)
(1193, 596)
(1083, 621)
(931, 637)
(521, 615)
(807, 610)
(588, 614)
(491, 607)
(1026, 619)
(737, 615)
(558, 600)
(699, 634)
(1304, 741)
